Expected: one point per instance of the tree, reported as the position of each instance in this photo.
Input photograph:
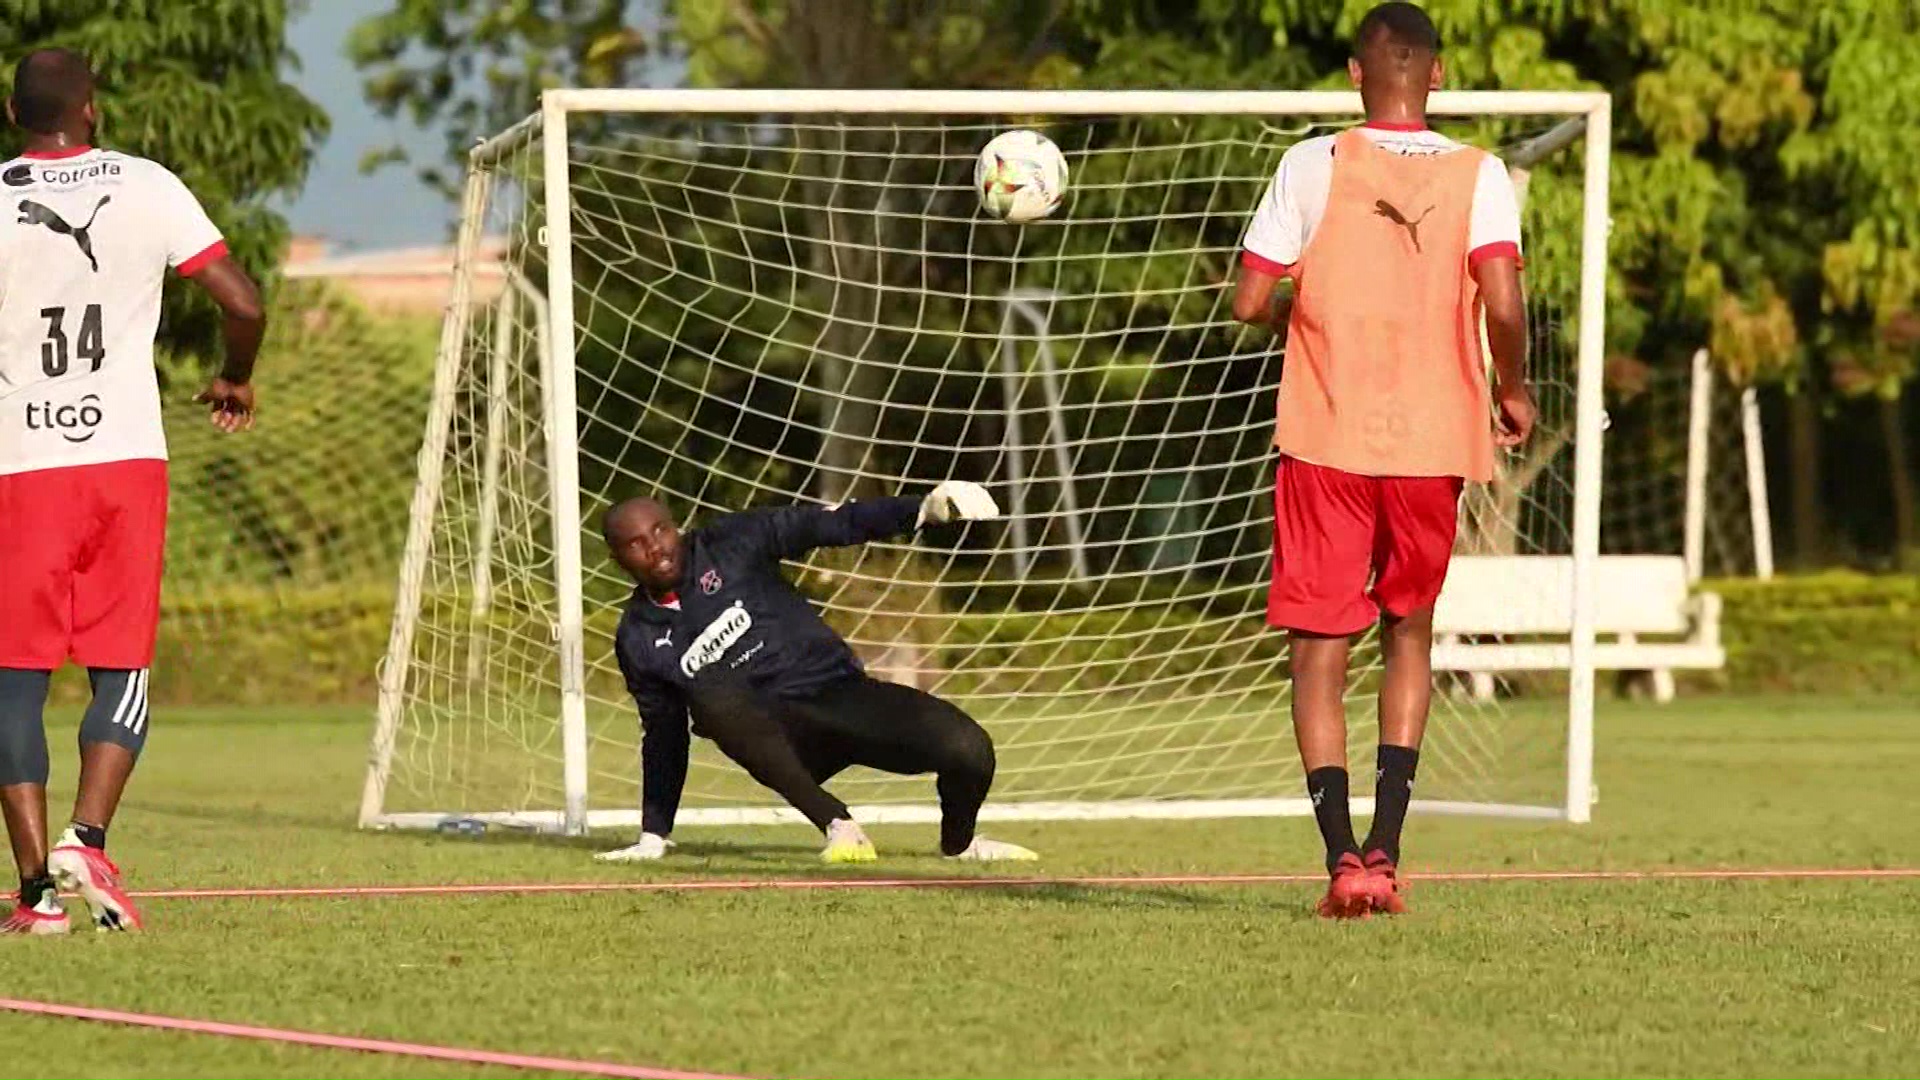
(199, 88)
(476, 66)
(1766, 193)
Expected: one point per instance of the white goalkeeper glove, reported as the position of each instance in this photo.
(651, 846)
(956, 500)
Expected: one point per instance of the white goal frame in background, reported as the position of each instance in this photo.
(557, 333)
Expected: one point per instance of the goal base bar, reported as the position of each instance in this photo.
(552, 821)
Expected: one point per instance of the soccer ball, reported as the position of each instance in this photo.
(1021, 176)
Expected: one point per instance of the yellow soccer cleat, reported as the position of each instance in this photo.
(847, 843)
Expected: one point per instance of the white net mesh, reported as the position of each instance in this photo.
(284, 542)
(1651, 446)
(772, 311)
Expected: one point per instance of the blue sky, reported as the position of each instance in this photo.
(387, 209)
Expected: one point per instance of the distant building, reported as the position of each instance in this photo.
(398, 281)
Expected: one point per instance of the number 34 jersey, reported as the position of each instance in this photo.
(86, 240)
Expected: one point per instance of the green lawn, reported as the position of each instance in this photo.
(1544, 978)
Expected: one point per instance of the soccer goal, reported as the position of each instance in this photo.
(740, 298)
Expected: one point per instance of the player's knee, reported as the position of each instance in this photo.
(118, 712)
(23, 754)
(967, 748)
(23, 732)
(1414, 627)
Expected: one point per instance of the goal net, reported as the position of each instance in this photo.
(729, 299)
(1687, 474)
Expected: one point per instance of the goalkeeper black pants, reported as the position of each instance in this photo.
(793, 745)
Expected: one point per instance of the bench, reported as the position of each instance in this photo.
(1529, 597)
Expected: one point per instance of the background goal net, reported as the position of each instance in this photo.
(734, 299)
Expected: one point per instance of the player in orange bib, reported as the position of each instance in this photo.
(1397, 241)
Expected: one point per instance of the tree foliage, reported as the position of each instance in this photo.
(1766, 154)
(200, 88)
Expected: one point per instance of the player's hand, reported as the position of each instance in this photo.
(957, 500)
(651, 846)
(232, 404)
(1517, 415)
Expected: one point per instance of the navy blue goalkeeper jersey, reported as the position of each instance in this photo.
(737, 621)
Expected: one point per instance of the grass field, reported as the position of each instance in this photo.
(1795, 977)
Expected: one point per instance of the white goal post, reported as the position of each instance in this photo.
(725, 297)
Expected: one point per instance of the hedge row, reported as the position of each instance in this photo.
(1837, 632)
(252, 646)
(1822, 633)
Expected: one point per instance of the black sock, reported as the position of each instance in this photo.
(1393, 790)
(1327, 787)
(94, 836)
(35, 889)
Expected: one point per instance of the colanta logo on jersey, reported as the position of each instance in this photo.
(720, 635)
(77, 422)
(18, 176)
(33, 213)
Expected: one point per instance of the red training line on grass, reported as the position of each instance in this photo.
(348, 1042)
(801, 884)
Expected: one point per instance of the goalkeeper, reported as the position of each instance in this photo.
(716, 637)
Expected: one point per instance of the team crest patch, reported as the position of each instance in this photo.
(710, 582)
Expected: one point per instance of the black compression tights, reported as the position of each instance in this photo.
(793, 745)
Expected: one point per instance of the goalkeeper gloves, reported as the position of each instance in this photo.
(651, 846)
(956, 500)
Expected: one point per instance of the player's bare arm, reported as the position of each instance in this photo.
(1262, 299)
(1506, 313)
(230, 394)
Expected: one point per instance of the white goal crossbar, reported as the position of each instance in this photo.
(547, 134)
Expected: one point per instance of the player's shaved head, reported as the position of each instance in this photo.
(51, 91)
(1396, 60)
(1396, 25)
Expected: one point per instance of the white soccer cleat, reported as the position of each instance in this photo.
(847, 843)
(985, 850)
(957, 500)
(77, 868)
(651, 846)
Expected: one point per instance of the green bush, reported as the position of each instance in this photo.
(260, 645)
(1825, 633)
(264, 646)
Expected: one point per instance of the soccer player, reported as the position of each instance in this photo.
(1396, 240)
(85, 241)
(715, 634)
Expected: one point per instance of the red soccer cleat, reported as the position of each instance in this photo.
(1385, 892)
(90, 873)
(48, 918)
(1347, 896)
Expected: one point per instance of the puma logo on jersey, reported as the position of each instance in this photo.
(33, 213)
(720, 635)
(1385, 209)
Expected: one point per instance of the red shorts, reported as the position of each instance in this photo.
(81, 550)
(1334, 531)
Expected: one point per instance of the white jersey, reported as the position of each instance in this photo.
(1297, 199)
(86, 239)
